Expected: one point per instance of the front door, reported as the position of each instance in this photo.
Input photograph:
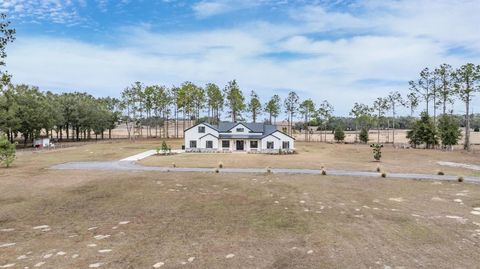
(240, 144)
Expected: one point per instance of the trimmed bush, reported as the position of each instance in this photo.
(377, 151)
(339, 135)
(363, 137)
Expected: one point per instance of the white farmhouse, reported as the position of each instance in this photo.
(230, 136)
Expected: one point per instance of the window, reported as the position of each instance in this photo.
(286, 145)
(240, 130)
(201, 129)
(253, 144)
(209, 144)
(226, 144)
(193, 144)
(269, 145)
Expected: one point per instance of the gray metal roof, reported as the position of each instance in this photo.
(240, 136)
(225, 127)
(264, 129)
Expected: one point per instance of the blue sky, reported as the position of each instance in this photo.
(342, 51)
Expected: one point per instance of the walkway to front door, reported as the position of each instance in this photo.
(240, 145)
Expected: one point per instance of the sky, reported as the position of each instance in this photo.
(343, 51)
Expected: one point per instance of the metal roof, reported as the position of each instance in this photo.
(225, 127)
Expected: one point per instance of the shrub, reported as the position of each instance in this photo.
(220, 165)
(324, 173)
(460, 179)
(423, 132)
(449, 130)
(174, 165)
(379, 169)
(377, 151)
(158, 150)
(384, 174)
(165, 148)
(440, 173)
(363, 135)
(217, 170)
(269, 170)
(339, 134)
(476, 130)
(7, 151)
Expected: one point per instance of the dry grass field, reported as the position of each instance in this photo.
(105, 219)
(332, 156)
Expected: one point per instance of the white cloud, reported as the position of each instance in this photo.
(207, 8)
(351, 68)
(57, 11)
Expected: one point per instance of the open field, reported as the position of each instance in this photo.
(332, 156)
(386, 136)
(81, 219)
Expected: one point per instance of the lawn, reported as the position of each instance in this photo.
(197, 220)
(332, 156)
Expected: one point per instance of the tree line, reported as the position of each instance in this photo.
(437, 90)
(26, 111)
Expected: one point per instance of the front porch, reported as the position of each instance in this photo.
(239, 145)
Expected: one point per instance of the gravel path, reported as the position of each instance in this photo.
(461, 165)
(134, 167)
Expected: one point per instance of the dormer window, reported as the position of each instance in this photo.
(201, 129)
(240, 130)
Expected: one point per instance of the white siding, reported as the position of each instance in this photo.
(203, 142)
(193, 134)
(277, 138)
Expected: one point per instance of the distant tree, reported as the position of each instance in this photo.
(113, 106)
(424, 87)
(361, 113)
(7, 151)
(130, 104)
(162, 100)
(339, 134)
(234, 99)
(307, 109)
(174, 91)
(380, 105)
(449, 130)
(411, 102)
(325, 112)
(394, 99)
(291, 107)
(214, 102)
(423, 132)
(7, 35)
(198, 101)
(467, 79)
(272, 107)
(148, 97)
(254, 106)
(186, 101)
(445, 89)
(9, 123)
